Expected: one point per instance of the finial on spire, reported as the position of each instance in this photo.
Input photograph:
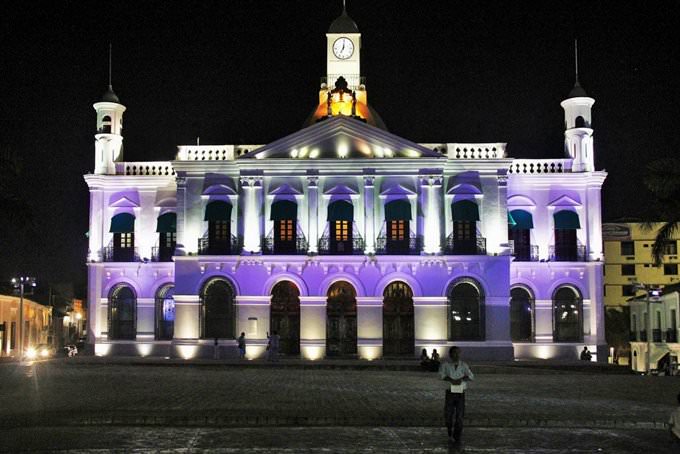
(110, 51)
(344, 8)
(576, 60)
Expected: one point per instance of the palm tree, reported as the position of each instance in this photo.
(663, 180)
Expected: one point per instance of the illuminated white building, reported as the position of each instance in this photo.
(346, 239)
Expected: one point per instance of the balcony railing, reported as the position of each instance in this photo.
(112, 254)
(526, 254)
(297, 247)
(567, 253)
(632, 336)
(206, 247)
(643, 336)
(162, 254)
(465, 247)
(671, 335)
(328, 247)
(408, 246)
(656, 335)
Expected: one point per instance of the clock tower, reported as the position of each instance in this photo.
(343, 51)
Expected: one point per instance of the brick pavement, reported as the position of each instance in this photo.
(69, 392)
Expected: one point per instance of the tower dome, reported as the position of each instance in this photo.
(343, 24)
(110, 96)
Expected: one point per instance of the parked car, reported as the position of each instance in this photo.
(70, 350)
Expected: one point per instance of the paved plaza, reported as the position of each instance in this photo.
(69, 404)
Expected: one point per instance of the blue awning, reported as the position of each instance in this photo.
(566, 220)
(398, 210)
(218, 211)
(523, 219)
(122, 223)
(341, 210)
(465, 210)
(167, 223)
(283, 209)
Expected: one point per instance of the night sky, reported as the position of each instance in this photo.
(248, 72)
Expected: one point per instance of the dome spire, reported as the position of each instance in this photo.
(577, 91)
(109, 95)
(344, 23)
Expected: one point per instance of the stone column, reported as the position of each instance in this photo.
(96, 231)
(253, 319)
(187, 330)
(369, 327)
(502, 234)
(181, 182)
(429, 200)
(312, 327)
(252, 213)
(313, 216)
(369, 212)
(543, 323)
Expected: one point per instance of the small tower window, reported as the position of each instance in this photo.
(106, 125)
(579, 122)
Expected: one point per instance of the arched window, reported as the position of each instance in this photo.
(284, 215)
(341, 320)
(166, 226)
(106, 125)
(466, 312)
(398, 325)
(521, 315)
(579, 122)
(218, 215)
(217, 310)
(165, 312)
(465, 215)
(122, 313)
(519, 234)
(285, 316)
(566, 245)
(567, 315)
(341, 218)
(123, 229)
(397, 220)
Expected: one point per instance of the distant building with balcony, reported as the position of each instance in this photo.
(347, 239)
(37, 324)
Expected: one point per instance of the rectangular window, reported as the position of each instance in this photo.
(627, 270)
(126, 240)
(670, 269)
(169, 240)
(671, 248)
(628, 290)
(397, 230)
(627, 248)
(286, 230)
(221, 230)
(341, 230)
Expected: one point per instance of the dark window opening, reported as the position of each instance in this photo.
(627, 248)
(627, 270)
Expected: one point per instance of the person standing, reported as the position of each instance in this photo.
(216, 349)
(242, 346)
(274, 341)
(457, 373)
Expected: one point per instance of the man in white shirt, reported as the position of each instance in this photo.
(457, 373)
(674, 424)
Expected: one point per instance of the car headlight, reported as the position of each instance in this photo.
(31, 353)
(44, 353)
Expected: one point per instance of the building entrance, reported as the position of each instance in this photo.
(398, 331)
(341, 320)
(285, 317)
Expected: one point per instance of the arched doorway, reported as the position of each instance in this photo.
(466, 312)
(398, 330)
(341, 320)
(521, 315)
(217, 310)
(285, 316)
(567, 315)
(122, 313)
(165, 312)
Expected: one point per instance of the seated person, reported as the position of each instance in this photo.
(424, 360)
(434, 361)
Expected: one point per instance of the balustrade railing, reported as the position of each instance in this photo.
(149, 169)
(113, 254)
(354, 81)
(298, 246)
(230, 247)
(524, 254)
(475, 246)
(407, 246)
(162, 254)
(576, 253)
(327, 246)
(540, 166)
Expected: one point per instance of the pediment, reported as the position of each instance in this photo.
(340, 189)
(218, 189)
(464, 188)
(124, 202)
(520, 201)
(565, 201)
(396, 190)
(284, 189)
(342, 138)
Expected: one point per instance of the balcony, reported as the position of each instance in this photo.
(162, 254)
(355, 246)
(465, 247)
(408, 246)
(576, 253)
(671, 335)
(643, 336)
(206, 247)
(632, 336)
(656, 335)
(270, 246)
(112, 254)
(524, 254)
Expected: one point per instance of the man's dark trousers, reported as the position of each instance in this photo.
(454, 409)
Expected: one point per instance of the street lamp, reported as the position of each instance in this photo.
(19, 283)
(654, 292)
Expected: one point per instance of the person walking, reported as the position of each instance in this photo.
(457, 373)
(242, 346)
(274, 342)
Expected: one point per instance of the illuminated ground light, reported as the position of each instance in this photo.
(144, 349)
(187, 351)
(102, 349)
(313, 353)
(255, 351)
(370, 352)
(545, 351)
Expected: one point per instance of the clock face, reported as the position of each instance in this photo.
(343, 48)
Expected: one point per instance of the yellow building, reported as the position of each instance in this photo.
(628, 259)
(37, 321)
